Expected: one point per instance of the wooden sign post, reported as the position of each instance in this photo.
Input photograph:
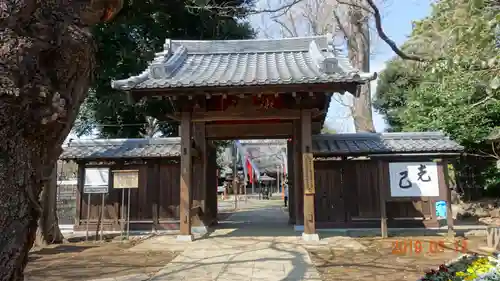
(409, 181)
(125, 179)
(308, 160)
(96, 182)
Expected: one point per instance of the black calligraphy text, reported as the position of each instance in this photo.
(422, 175)
(422, 172)
(404, 182)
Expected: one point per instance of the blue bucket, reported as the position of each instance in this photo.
(441, 209)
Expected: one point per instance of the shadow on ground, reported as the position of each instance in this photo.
(85, 261)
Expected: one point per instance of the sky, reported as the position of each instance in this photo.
(397, 18)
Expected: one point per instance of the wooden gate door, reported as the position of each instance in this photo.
(330, 203)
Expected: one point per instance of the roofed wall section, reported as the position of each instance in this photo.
(358, 144)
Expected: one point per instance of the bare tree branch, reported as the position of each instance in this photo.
(276, 12)
(387, 40)
(231, 10)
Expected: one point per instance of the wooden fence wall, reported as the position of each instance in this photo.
(347, 193)
(155, 203)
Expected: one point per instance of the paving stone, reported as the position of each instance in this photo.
(260, 247)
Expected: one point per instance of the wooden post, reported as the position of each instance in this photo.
(186, 177)
(308, 176)
(156, 182)
(444, 191)
(382, 196)
(291, 187)
(235, 174)
(199, 185)
(297, 173)
(80, 196)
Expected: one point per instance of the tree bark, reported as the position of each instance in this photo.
(46, 62)
(48, 224)
(359, 55)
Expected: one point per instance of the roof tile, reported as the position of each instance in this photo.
(305, 60)
(336, 144)
(121, 148)
(375, 143)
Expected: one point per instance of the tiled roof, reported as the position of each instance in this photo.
(384, 143)
(302, 60)
(337, 144)
(121, 148)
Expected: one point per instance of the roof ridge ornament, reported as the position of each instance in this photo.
(330, 42)
(167, 45)
(326, 64)
(163, 67)
(131, 82)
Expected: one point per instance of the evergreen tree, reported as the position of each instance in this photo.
(128, 44)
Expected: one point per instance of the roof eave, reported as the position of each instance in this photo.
(93, 158)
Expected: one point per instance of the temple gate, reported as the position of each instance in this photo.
(237, 89)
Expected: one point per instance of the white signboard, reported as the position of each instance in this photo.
(413, 179)
(96, 180)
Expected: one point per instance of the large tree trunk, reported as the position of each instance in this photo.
(359, 55)
(46, 62)
(48, 225)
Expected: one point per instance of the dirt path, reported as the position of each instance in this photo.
(83, 261)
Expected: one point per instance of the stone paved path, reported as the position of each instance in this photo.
(255, 245)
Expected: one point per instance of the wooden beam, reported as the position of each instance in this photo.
(247, 114)
(263, 89)
(186, 175)
(253, 131)
(249, 131)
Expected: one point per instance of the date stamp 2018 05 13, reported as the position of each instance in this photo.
(408, 247)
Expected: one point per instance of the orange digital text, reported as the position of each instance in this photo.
(408, 247)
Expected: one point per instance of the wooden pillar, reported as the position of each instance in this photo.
(155, 183)
(297, 174)
(198, 214)
(444, 191)
(79, 195)
(382, 187)
(211, 180)
(211, 184)
(186, 177)
(214, 177)
(308, 175)
(291, 195)
(199, 166)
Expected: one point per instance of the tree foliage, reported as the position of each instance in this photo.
(457, 90)
(126, 45)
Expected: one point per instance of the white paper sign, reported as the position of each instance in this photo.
(413, 179)
(96, 180)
